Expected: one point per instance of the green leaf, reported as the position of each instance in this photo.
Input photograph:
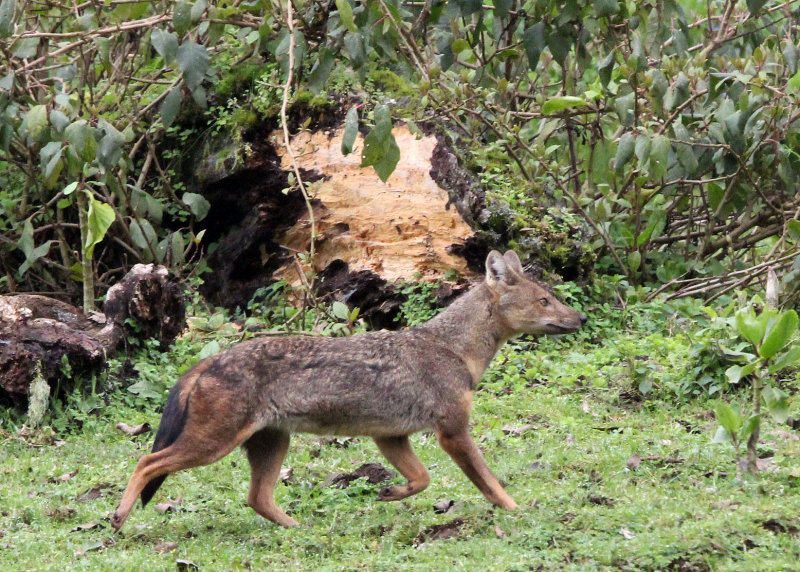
(142, 233)
(7, 82)
(501, 8)
(605, 67)
(722, 436)
(634, 260)
(54, 166)
(40, 251)
(198, 205)
(101, 216)
(789, 358)
(26, 48)
(604, 8)
(69, 189)
(354, 46)
(193, 62)
(623, 105)
(25, 242)
(177, 249)
(749, 326)
(642, 149)
(36, 120)
(215, 322)
(197, 9)
(624, 151)
(793, 230)
(340, 310)
(182, 18)
(145, 389)
(656, 223)
(171, 106)
(728, 418)
(560, 103)
(165, 43)
(346, 14)
(7, 17)
(47, 152)
(735, 373)
(777, 403)
(469, 7)
(103, 46)
(459, 45)
(154, 208)
(560, 41)
(80, 136)
(380, 148)
(794, 84)
(779, 335)
(754, 6)
(321, 70)
(533, 40)
(199, 97)
(747, 428)
(659, 155)
(59, 120)
(350, 130)
(109, 148)
(209, 349)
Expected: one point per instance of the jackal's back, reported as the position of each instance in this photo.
(368, 384)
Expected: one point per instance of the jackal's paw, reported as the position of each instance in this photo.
(117, 521)
(392, 493)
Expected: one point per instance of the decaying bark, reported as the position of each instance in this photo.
(40, 332)
(370, 234)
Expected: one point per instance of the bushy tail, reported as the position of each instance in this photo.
(172, 422)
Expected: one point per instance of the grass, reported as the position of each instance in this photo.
(563, 438)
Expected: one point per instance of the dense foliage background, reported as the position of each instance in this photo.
(653, 143)
(662, 136)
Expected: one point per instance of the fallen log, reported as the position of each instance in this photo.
(41, 336)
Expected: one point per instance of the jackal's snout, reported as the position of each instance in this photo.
(565, 320)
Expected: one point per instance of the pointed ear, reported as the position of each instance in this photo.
(498, 269)
(514, 262)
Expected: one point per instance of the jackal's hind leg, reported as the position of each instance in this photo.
(399, 453)
(187, 452)
(266, 450)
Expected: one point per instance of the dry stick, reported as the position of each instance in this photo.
(691, 286)
(722, 32)
(289, 151)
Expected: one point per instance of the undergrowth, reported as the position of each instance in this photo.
(603, 437)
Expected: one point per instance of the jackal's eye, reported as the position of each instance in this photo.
(544, 301)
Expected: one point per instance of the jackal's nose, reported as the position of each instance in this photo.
(584, 319)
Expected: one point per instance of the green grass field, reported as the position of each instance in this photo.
(604, 482)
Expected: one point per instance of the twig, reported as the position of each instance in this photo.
(286, 141)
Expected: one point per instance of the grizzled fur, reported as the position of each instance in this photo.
(386, 385)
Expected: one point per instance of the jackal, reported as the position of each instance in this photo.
(384, 384)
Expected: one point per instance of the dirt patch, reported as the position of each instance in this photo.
(374, 472)
(781, 527)
(450, 529)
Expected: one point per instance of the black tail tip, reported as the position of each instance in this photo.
(150, 489)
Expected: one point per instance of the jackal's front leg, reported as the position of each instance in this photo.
(266, 450)
(399, 453)
(466, 454)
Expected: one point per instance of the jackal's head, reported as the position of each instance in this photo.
(525, 306)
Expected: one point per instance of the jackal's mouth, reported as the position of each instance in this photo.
(560, 328)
